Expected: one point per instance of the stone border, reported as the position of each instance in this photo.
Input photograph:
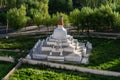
(8, 59)
(12, 71)
(62, 66)
(15, 50)
(71, 67)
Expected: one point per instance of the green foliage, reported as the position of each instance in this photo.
(92, 3)
(47, 20)
(85, 17)
(38, 18)
(116, 21)
(74, 18)
(17, 17)
(12, 54)
(42, 72)
(103, 18)
(55, 18)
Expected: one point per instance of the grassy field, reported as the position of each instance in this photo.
(41, 72)
(12, 54)
(105, 54)
(20, 42)
(5, 67)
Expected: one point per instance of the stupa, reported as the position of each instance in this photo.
(61, 47)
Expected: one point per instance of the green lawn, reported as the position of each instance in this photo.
(5, 67)
(105, 54)
(20, 42)
(41, 72)
(13, 54)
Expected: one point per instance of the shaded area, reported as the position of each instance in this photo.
(5, 67)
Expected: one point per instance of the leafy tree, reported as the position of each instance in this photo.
(54, 20)
(85, 19)
(47, 21)
(37, 18)
(104, 17)
(17, 17)
(74, 18)
(116, 22)
(65, 18)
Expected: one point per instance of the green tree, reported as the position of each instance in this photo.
(74, 18)
(54, 20)
(47, 21)
(104, 18)
(38, 18)
(116, 22)
(17, 17)
(85, 19)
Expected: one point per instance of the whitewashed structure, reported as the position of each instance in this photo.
(61, 47)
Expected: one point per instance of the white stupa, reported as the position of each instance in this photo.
(60, 33)
(61, 47)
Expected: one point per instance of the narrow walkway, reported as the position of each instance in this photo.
(7, 59)
(14, 50)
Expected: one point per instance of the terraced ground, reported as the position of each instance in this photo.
(105, 54)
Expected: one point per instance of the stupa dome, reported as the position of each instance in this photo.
(60, 33)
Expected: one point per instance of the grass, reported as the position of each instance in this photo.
(105, 54)
(12, 54)
(20, 42)
(42, 72)
(5, 67)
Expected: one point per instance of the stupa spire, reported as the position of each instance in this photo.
(60, 21)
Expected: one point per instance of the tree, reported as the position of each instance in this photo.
(85, 19)
(116, 22)
(47, 21)
(38, 18)
(55, 18)
(17, 17)
(74, 18)
(104, 17)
